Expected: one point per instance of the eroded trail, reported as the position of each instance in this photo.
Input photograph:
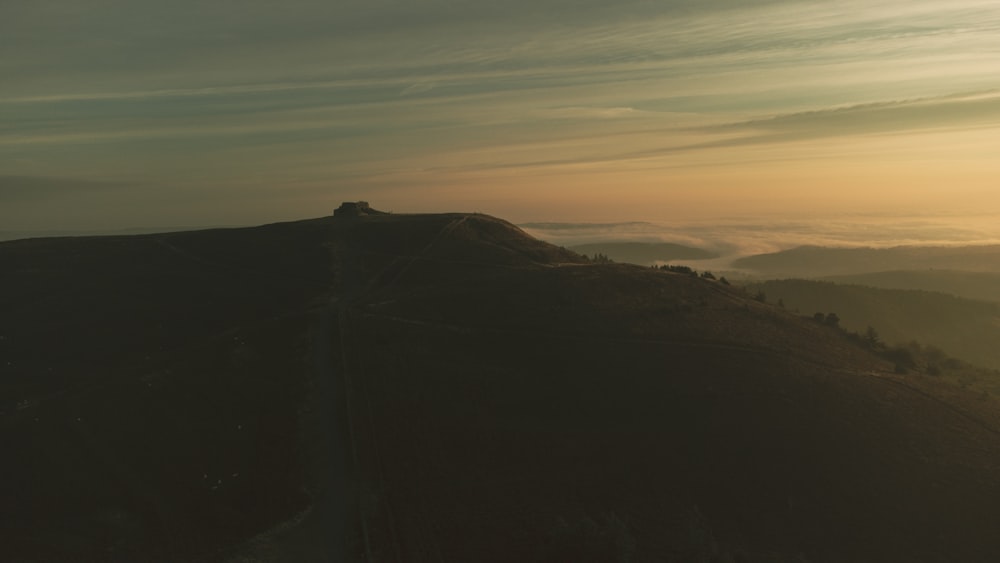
(322, 535)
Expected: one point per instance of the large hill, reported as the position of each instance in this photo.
(446, 388)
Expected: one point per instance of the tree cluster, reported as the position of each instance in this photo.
(679, 269)
(600, 258)
(692, 272)
(829, 319)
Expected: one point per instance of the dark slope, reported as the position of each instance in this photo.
(601, 413)
(645, 416)
(492, 398)
(151, 387)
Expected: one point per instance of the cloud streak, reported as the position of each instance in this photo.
(15, 189)
(409, 95)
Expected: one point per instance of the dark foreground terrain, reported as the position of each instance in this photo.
(444, 388)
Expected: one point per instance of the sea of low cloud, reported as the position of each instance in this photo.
(737, 237)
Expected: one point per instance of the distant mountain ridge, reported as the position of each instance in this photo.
(971, 285)
(555, 225)
(17, 235)
(818, 261)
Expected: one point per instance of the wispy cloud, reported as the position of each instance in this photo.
(418, 88)
(957, 110)
(416, 94)
(15, 189)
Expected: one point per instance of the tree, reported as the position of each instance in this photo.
(832, 319)
(601, 259)
(679, 269)
(871, 338)
(902, 357)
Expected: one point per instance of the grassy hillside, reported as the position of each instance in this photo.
(965, 328)
(618, 413)
(445, 388)
(151, 389)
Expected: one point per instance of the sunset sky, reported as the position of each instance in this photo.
(124, 113)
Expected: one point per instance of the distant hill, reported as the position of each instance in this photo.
(446, 388)
(557, 226)
(972, 285)
(966, 328)
(18, 235)
(815, 261)
(643, 253)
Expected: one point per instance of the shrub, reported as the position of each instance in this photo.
(832, 320)
(902, 357)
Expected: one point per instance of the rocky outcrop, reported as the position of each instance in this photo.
(356, 209)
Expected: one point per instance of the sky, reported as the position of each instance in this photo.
(130, 113)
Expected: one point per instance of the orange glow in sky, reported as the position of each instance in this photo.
(185, 113)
